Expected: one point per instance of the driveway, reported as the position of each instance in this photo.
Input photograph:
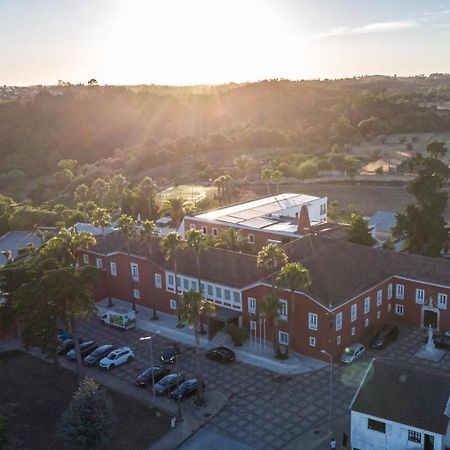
(264, 411)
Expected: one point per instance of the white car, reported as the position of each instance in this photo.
(352, 353)
(116, 358)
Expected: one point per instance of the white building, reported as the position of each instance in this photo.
(400, 407)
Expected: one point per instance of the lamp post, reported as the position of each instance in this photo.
(331, 388)
(149, 338)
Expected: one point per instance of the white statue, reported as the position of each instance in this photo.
(430, 343)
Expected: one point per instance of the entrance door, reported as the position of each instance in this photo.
(428, 442)
(430, 318)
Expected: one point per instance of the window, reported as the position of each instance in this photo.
(251, 238)
(227, 294)
(192, 226)
(338, 340)
(283, 338)
(194, 285)
(204, 230)
(353, 331)
(171, 281)
(442, 301)
(376, 425)
(210, 290)
(399, 310)
(215, 232)
(366, 322)
(202, 287)
(186, 284)
(85, 259)
(218, 292)
(312, 341)
(366, 305)
(414, 436)
(251, 305)
(99, 263)
(379, 297)
(237, 297)
(354, 312)
(158, 280)
(379, 313)
(113, 269)
(389, 307)
(136, 293)
(134, 271)
(283, 310)
(389, 291)
(173, 304)
(399, 291)
(338, 321)
(312, 321)
(420, 296)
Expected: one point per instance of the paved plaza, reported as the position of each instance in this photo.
(264, 410)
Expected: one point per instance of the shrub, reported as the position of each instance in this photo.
(307, 169)
(379, 170)
(27, 218)
(238, 334)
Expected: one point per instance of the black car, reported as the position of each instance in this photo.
(85, 348)
(186, 389)
(100, 352)
(385, 335)
(223, 354)
(168, 383)
(442, 341)
(169, 353)
(67, 345)
(156, 373)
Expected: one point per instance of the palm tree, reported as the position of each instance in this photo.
(100, 190)
(293, 276)
(266, 176)
(271, 257)
(192, 307)
(147, 188)
(170, 244)
(271, 308)
(101, 218)
(119, 185)
(231, 239)
(127, 227)
(81, 196)
(147, 233)
(276, 177)
(176, 208)
(196, 240)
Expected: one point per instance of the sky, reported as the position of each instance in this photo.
(185, 42)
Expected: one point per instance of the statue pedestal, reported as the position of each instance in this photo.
(430, 353)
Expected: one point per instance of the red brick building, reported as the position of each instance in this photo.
(354, 289)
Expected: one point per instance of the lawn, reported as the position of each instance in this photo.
(190, 192)
(35, 397)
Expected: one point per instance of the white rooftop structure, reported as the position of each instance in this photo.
(89, 228)
(13, 241)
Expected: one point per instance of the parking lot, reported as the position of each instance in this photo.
(264, 411)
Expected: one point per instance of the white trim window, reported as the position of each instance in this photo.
(172, 304)
(251, 238)
(170, 282)
(283, 338)
(215, 232)
(399, 291)
(366, 323)
(312, 341)
(136, 293)
(338, 321)
(283, 310)
(134, 271)
(379, 297)
(99, 263)
(251, 305)
(354, 312)
(338, 340)
(158, 280)
(85, 258)
(399, 310)
(313, 321)
(113, 266)
(389, 291)
(420, 296)
(367, 305)
(442, 301)
(227, 295)
(353, 331)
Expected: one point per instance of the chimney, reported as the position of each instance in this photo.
(303, 221)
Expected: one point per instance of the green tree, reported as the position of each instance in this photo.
(119, 185)
(271, 308)
(359, 231)
(231, 239)
(87, 422)
(192, 308)
(295, 277)
(176, 208)
(146, 192)
(81, 196)
(271, 257)
(276, 177)
(437, 149)
(100, 190)
(266, 176)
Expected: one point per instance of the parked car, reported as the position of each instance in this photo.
(156, 373)
(64, 335)
(442, 341)
(186, 389)
(85, 348)
(67, 345)
(116, 358)
(169, 353)
(385, 335)
(99, 353)
(168, 383)
(352, 353)
(223, 354)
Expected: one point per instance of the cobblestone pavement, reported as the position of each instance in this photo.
(265, 411)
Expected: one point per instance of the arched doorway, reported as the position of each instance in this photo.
(430, 316)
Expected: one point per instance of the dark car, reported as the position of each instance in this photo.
(186, 389)
(223, 354)
(85, 348)
(67, 345)
(442, 341)
(168, 383)
(169, 353)
(385, 335)
(156, 373)
(100, 352)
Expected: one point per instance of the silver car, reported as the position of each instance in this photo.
(352, 353)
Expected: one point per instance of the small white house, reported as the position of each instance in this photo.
(401, 407)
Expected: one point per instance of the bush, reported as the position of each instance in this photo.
(27, 218)
(238, 334)
(308, 169)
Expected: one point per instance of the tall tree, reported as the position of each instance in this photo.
(119, 185)
(193, 306)
(146, 190)
(276, 177)
(176, 208)
(81, 196)
(170, 245)
(266, 176)
(359, 232)
(271, 308)
(100, 190)
(293, 276)
(231, 239)
(271, 257)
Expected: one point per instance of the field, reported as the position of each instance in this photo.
(189, 192)
(34, 397)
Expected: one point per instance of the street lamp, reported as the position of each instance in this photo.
(331, 388)
(149, 338)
